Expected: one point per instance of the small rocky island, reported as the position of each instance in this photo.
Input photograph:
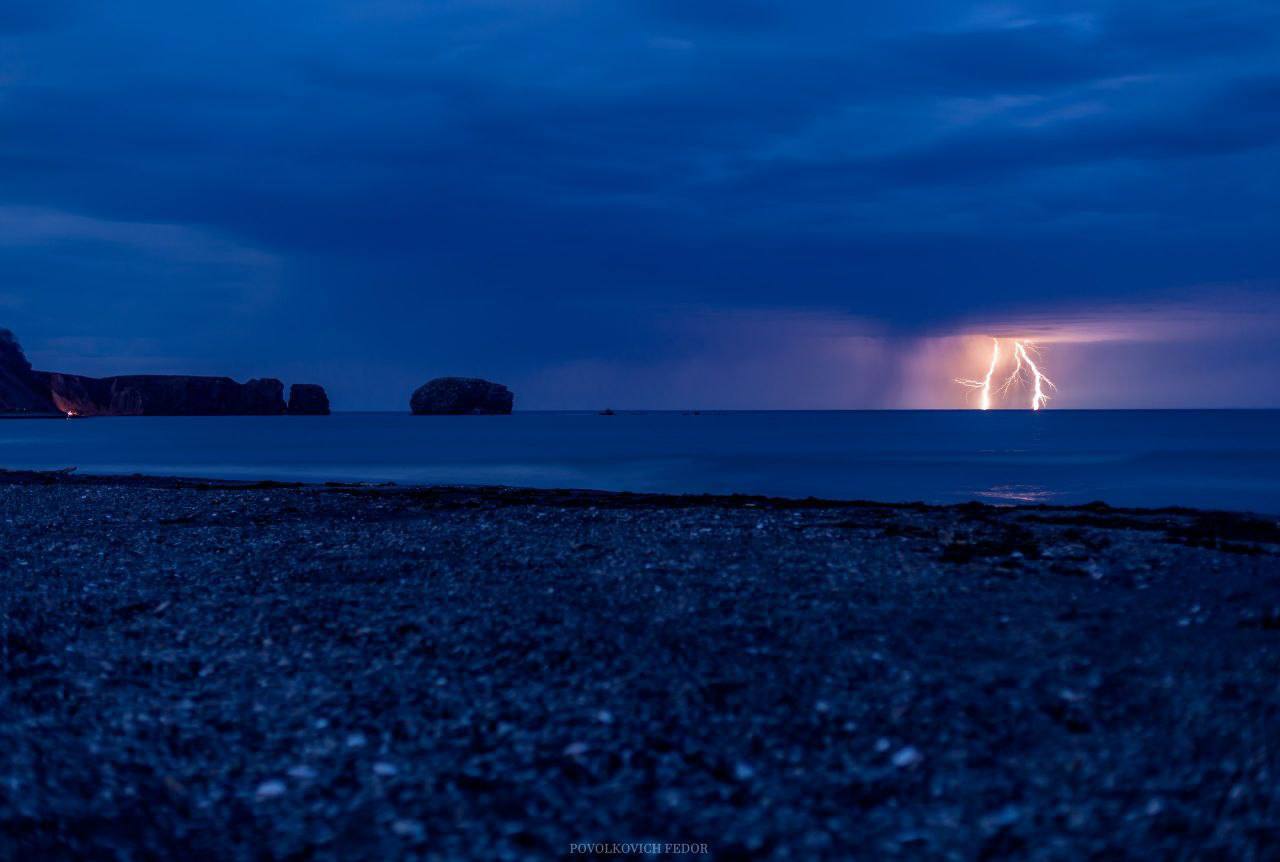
(308, 399)
(27, 392)
(455, 396)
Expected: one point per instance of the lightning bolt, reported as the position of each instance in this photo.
(1038, 397)
(1023, 366)
(1016, 375)
(985, 383)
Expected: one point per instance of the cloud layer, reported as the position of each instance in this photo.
(645, 198)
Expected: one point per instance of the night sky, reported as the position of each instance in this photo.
(669, 203)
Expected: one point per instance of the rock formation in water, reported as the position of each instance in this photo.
(21, 393)
(461, 395)
(163, 395)
(49, 393)
(308, 399)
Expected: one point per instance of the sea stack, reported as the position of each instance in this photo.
(455, 396)
(308, 399)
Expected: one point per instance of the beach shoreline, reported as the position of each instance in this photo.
(519, 495)
(1218, 460)
(273, 670)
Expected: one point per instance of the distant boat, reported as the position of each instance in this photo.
(608, 411)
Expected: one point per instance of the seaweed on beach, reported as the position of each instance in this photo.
(1230, 532)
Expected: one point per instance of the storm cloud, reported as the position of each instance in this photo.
(623, 199)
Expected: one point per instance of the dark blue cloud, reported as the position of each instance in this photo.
(28, 16)
(384, 188)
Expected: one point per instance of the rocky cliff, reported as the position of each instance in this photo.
(27, 392)
(461, 395)
(21, 393)
(163, 395)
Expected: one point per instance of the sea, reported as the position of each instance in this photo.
(1221, 459)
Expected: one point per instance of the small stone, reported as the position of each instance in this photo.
(271, 789)
(907, 757)
(355, 740)
(575, 749)
(303, 773)
(384, 769)
(672, 799)
(411, 829)
(882, 745)
(604, 716)
(743, 771)
(1002, 817)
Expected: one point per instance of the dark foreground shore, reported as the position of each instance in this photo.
(197, 670)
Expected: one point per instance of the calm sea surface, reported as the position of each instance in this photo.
(1221, 459)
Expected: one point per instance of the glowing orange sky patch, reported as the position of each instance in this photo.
(1025, 368)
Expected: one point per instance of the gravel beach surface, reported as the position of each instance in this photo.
(198, 670)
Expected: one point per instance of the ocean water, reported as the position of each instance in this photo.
(1228, 459)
